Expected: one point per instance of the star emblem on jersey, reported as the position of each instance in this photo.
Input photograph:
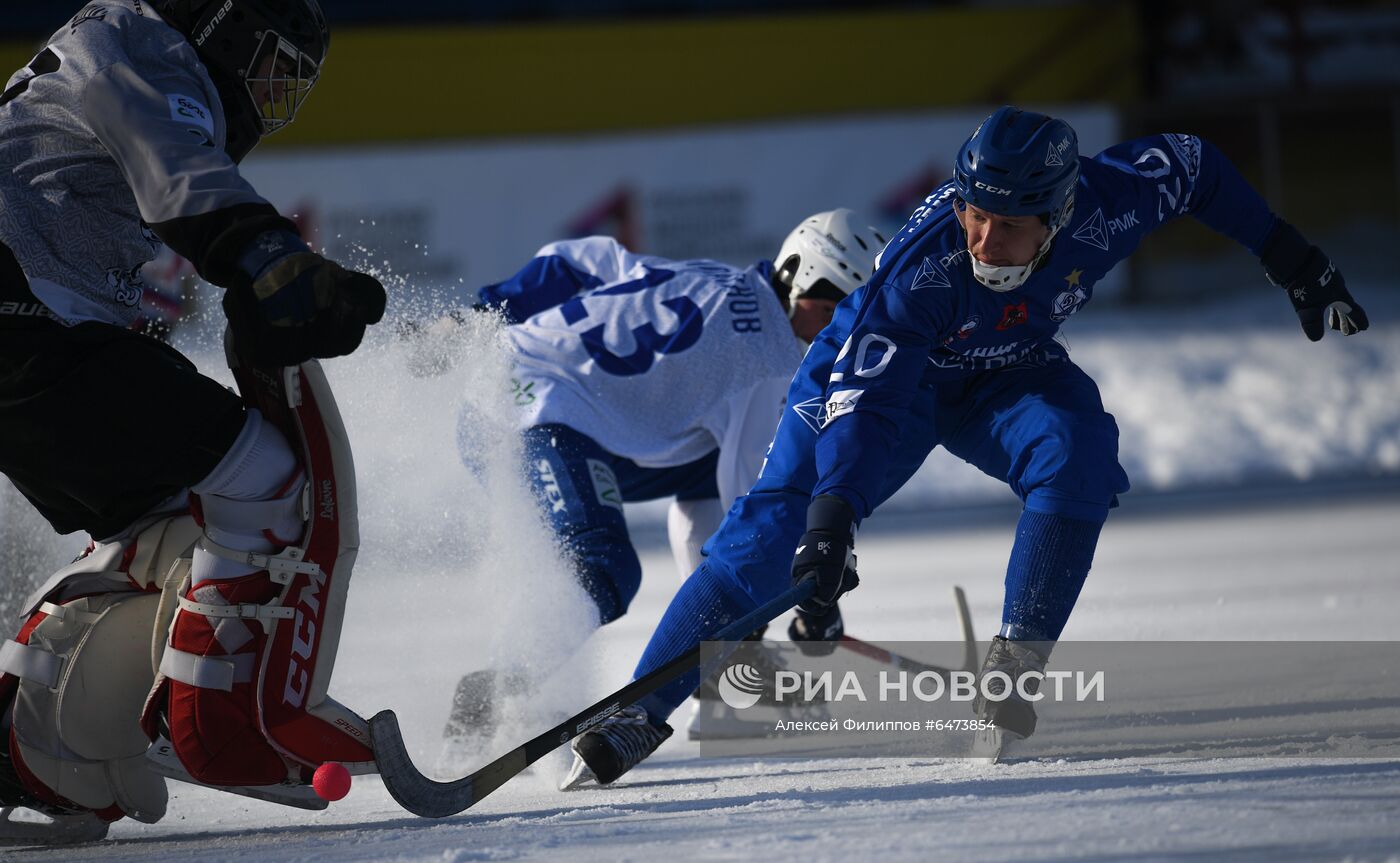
(1094, 231)
(930, 275)
(1069, 300)
(812, 412)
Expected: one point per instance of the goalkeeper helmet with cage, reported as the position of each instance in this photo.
(1019, 163)
(264, 57)
(827, 256)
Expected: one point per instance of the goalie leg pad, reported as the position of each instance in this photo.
(80, 673)
(227, 611)
(211, 671)
(137, 558)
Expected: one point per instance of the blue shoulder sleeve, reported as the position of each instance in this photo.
(545, 282)
(1175, 175)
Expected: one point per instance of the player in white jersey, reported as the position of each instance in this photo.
(641, 378)
(124, 133)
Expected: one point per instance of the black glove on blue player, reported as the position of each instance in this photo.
(826, 553)
(1313, 283)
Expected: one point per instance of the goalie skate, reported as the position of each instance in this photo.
(161, 755)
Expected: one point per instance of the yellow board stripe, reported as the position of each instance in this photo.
(452, 81)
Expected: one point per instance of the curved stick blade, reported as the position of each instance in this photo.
(415, 792)
(971, 662)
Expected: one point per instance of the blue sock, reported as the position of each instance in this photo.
(1049, 563)
(703, 606)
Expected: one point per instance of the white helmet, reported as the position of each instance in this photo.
(828, 256)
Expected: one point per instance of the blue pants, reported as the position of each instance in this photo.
(1038, 425)
(581, 488)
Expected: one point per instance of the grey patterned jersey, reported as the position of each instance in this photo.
(115, 124)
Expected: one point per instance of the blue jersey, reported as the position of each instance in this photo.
(923, 318)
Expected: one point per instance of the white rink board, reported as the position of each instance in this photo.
(476, 211)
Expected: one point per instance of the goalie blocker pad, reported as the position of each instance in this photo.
(244, 677)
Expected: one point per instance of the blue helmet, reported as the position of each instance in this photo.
(1019, 163)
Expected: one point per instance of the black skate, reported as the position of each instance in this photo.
(1012, 718)
(615, 746)
(471, 715)
(475, 714)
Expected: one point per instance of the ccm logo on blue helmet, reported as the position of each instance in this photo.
(995, 190)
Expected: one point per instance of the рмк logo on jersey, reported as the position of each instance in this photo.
(1097, 229)
(930, 275)
(812, 412)
(1094, 231)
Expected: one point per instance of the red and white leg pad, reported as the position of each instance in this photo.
(244, 674)
(211, 668)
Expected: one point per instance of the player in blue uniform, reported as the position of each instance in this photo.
(951, 342)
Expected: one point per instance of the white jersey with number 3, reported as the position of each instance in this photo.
(663, 361)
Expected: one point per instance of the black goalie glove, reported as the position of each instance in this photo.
(1314, 285)
(826, 554)
(303, 306)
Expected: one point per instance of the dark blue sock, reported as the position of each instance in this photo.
(702, 607)
(1049, 563)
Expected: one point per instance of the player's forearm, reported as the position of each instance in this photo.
(217, 242)
(1226, 202)
(852, 459)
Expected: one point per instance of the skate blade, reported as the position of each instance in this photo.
(989, 744)
(578, 776)
(61, 830)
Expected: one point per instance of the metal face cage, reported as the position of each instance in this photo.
(278, 79)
